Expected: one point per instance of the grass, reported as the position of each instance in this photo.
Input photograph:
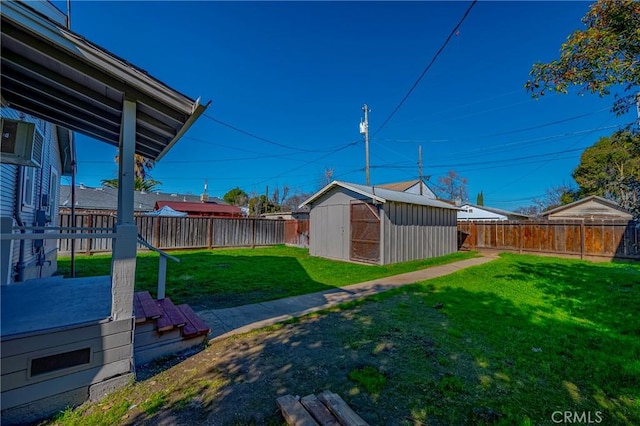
(513, 341)
(509, 342)
(232, 277)
(370, 378)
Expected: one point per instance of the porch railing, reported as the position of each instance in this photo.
(162, 266)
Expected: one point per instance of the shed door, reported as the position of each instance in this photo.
(365, 233)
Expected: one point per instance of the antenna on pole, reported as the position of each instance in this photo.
(420, 166)
(364, 129)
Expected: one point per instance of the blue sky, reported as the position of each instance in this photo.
(298, 74)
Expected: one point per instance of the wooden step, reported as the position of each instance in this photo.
(145, 307)
(194, 326)
(325, 409)
(293, 412)
(345, 415)
(319, 411)
(171, 316)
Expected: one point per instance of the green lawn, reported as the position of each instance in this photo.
(232, 277)
(514, 341)
(518, 341)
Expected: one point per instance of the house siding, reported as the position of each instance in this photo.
(26, 398)
(412, 232)
(38, 262)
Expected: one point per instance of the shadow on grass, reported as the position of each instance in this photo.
(211, 280)
(453, 351)
(215, 279)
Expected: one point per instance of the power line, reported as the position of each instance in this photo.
(433, 60)
(260, 138)
(309, 162)
(512, 181)
(552, 123)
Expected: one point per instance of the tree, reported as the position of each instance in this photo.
(142, 179)
(529, 210)
(259, 204)
(611, 169)
(326, 178)
(602, 58)
(453, 187)
(139, 184)
(556, 196)
(293, 201)
(236, 197)
(480, 199)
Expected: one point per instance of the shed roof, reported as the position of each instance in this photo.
(191, 207)
(52, 73)
(399, 186)
(601, 200)
(381, 195)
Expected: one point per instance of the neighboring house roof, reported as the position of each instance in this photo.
(201, 208)
(44, 62)
(591, 206)
(380, 195)
(107, 198)
(166, 211)
(412, 186)
(474, 212)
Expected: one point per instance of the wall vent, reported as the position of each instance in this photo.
(51, 363)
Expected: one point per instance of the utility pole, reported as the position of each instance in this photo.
(420, 166)
(364, 129)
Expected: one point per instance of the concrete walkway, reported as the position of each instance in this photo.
(240, 319)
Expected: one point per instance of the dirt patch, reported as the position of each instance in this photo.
(237, 380)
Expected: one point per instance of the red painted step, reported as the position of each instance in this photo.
(171, 315)
(194, 326)
(145, 307)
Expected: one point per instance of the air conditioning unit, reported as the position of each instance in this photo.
(20, 143)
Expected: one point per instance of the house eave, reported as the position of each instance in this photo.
(57, 75)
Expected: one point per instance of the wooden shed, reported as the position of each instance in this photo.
(376, 225)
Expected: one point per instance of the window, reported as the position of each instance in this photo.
(28, 187)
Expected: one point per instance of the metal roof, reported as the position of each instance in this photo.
(54, 74)
(104, 198)
(381, 195)
(497, 211)
(200, 208)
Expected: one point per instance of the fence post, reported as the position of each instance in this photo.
(582, 239)
(521, 236)
(210, 234)
(156, 230)
(253, 233)
(88, 224)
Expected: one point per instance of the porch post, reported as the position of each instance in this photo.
(123, 267)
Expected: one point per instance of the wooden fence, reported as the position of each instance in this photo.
(180, 232)
(296, 232)
(588, 238)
